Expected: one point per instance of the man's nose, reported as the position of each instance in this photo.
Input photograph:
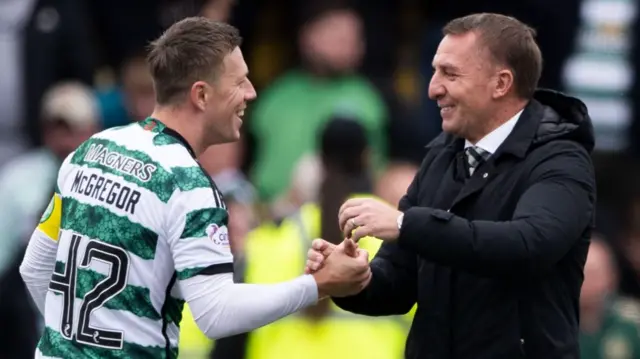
(436, 90)
(251, 93)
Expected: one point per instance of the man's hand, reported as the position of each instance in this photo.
(321, 249)
(362, 217)
(345, 270)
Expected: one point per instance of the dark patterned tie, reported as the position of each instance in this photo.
(475, 156)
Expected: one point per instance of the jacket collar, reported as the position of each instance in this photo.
(520, 139)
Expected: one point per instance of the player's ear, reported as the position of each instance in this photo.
(199, 94)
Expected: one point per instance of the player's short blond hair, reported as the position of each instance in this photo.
(190, 50)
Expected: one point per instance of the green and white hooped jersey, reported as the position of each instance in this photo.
(137, 214)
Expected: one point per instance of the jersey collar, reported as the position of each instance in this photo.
(155, 125)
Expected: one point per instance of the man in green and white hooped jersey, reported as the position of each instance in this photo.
(136, 228)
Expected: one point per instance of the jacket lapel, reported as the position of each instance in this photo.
(477, 182)
(517, 145)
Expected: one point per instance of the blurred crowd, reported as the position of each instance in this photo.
(342, 111)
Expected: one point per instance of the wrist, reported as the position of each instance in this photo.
(320, 284)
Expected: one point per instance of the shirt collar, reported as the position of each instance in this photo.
(495, 138)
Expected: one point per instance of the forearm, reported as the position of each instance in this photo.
(447, 239)
(37, 267)
(222, 308)
(510, 248)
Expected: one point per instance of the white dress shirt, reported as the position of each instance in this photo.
(495, 138)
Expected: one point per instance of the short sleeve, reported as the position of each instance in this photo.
(197, 233)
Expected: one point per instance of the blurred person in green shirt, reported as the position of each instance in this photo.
(296, 106)
(608, 322)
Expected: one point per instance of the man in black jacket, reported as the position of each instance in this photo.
(491, 238)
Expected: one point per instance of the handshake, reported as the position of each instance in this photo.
(339, 270)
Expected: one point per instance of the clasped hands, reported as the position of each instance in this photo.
(343, 270)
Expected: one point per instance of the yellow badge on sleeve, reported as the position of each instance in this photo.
(50, 220)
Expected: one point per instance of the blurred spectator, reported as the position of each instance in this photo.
(69, 117)
(285, 122)
(133, 97)
(276, 251)
(310, 172)
(608, 323)
(394, 181)
(304, 187)
(408, 137)
(42, 42)
(345, 157)
(220, 158)
(137, 87)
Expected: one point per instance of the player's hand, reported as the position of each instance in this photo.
(362, 217)
(342, 274)
(321, 249)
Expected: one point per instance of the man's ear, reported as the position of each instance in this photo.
(503, 83)
(199, 95)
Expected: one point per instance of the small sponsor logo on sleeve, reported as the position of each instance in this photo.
(219, 235)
